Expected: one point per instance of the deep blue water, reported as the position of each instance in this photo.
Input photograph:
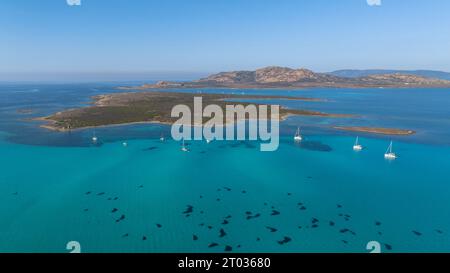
(58, 187)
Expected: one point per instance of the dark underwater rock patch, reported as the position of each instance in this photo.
(121, 218)
(222, 233)
(271, 229)
(346, 230)
(189, 209)
(275, 212)
(315, 146)
(285, 240)
(250, 216)
(150, 149)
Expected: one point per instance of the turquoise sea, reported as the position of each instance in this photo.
(317, 196)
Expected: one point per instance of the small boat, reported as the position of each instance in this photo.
(161, 138)
(183, 147)
(357, 147)
(297, 136)
(94, 138)
(208, 141)
(389, 153)
(125, 144)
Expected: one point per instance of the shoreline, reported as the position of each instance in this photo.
(62, 130)
(376, 130)
(50, 127)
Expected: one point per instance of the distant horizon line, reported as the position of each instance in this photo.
(148, 75)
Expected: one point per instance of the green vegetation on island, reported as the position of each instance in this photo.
(134, 107)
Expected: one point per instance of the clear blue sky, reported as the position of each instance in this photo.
(203, 36)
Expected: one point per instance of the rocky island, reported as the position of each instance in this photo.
(283, 77)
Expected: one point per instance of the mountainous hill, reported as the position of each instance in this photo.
(270, 75)
(284, 77)
(363, 73)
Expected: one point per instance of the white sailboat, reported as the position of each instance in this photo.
(161, 138)
(94, 137)
(298, 136)
(389, 153)
(357, 147)
(183, 147)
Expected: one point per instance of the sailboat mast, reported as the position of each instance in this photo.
(389, 150)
